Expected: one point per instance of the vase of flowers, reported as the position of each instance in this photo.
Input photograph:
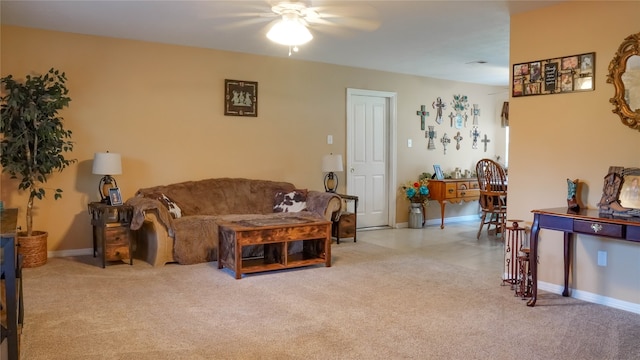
(417, 192)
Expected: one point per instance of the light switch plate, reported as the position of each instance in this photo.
(329, 139)
(409, 143)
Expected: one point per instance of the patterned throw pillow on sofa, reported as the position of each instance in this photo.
(171, 205)
(294, 201)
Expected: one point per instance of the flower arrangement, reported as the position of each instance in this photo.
(417, 191)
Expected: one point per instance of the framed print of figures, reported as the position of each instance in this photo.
(553, 76)
(240, 98)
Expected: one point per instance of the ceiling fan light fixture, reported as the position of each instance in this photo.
(289, 31)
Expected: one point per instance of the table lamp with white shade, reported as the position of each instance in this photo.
(106, 164)
(330, 165)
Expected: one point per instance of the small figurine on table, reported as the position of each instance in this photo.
(572, 202)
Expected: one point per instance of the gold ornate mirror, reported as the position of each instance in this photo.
(624, 73)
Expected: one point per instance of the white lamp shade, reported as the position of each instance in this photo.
(289, 31)
(332, 163)
(107, 164)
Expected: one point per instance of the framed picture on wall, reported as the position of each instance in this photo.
(438, 172)
(240, 98)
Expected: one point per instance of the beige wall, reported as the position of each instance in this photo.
(160, 106)
(555, 137)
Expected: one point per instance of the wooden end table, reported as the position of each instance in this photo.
(275, 234)
(345, 226)
(111, 231)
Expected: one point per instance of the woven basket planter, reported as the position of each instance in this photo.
(33, 248)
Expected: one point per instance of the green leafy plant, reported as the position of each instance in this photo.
(34, 139)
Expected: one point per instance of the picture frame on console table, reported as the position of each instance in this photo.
(240, 98)
(438, 172)
(621, 192)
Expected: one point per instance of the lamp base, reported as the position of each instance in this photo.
(330, 182)
(107, 182)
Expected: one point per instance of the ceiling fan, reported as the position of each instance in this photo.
(295, 18)
(292, 29)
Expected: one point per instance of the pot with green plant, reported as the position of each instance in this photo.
(33, 145)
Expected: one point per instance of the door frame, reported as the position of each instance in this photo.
(392, 123)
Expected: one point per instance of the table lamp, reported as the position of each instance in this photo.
(106, 164)
(331, 164)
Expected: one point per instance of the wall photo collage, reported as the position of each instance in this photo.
(554, 76)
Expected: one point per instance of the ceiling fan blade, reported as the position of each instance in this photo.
(359, 17)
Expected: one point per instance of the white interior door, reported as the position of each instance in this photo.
(368, 155)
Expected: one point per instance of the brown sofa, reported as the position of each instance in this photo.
(177, 222)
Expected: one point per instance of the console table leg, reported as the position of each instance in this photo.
(568, 240)
(442, 206)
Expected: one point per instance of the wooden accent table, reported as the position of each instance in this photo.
(586, 221)
(453, 191)
(275, 234)
(111, 232)
(346, 225)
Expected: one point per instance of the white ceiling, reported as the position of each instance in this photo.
(438, 39)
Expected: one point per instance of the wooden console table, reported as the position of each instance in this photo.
(453, 191)
(589, 222)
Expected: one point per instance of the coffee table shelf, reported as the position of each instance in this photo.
(276, 237)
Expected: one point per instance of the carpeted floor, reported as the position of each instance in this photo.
(373, 303)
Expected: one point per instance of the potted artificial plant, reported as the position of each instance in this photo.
(33, 145)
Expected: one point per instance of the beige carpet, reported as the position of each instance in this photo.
(373, 303)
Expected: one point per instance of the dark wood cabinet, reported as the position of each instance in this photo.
(112, 240)
(11, 286)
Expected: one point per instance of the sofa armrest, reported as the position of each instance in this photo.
(325, 204)
(154, 242)
(154, 231)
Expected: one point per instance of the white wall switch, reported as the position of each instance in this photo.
(329, 139)
(409, 143)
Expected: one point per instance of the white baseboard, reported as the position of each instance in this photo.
(447, 220)
(591, 297)
(72, 252)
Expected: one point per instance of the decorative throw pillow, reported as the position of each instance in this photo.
(171, 205)
(294, 201)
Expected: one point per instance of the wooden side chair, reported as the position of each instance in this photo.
(492, 181)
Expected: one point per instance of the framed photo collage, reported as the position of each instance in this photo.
(554, 76)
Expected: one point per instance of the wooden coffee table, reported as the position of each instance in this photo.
(276, 234)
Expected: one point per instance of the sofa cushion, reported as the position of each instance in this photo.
(171, 205)
(294, 201)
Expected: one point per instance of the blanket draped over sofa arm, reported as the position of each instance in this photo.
(141, 205)
(321, 203)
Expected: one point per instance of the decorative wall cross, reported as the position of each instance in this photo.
(445, 141)
(452, 116)
(423, 115)
(475, 112)
(457, 138)
(475, 134)
(485, 141)
(431, 135)
(439, 106)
